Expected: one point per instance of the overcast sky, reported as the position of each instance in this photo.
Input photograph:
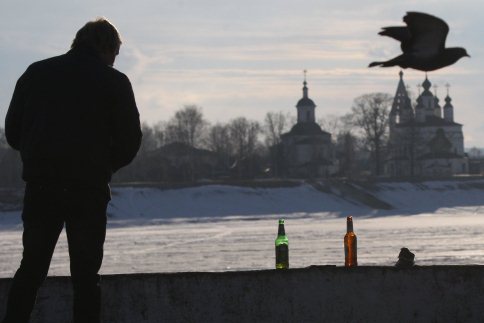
(246, 57)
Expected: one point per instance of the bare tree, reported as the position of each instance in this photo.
(275, 124)
(331, 124)
(186, 126)
(159, 133)
(148, 142)
(370, 113)
(346, 143)
(243, 136)
(218, 139)
(172, 133)
(346, 150)
(337, 125)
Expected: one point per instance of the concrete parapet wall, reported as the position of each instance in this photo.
(315, 294)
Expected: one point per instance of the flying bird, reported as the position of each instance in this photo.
(423, 43)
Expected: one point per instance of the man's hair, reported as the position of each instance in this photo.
(99, 35)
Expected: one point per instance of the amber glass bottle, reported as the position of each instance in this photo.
(282, 247)
(350, 244)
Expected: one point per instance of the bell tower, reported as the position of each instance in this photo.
(305, 106)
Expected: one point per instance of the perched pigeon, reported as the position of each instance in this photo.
(406, 258)
(422, 43)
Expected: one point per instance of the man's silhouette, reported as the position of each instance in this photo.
(75, 122)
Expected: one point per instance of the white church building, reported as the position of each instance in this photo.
(424, 139)
(307, 150)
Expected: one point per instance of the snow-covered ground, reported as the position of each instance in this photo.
(218, 228)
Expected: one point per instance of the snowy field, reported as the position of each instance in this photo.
(219, 228)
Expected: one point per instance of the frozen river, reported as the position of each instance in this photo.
(238, 244)
(215, 228)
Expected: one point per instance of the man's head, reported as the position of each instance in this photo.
(102, 37)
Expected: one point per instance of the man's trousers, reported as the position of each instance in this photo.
(47, 208)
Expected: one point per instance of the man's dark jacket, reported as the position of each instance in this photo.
(74, 120)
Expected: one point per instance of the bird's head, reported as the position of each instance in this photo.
(453, 54)
(460, 52)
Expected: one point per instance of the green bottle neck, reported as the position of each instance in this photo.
(281, 231)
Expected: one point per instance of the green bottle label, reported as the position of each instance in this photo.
(282, 256)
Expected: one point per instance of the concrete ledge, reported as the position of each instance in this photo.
(315, 294)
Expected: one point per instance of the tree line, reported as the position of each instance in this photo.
(188, 148)
(239, 148)
(244, 149)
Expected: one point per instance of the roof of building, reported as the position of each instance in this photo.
(305, 129)
(304, 102)
(180, 148)
(430, 121)
(448, 101)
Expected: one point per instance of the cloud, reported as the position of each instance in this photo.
(246, 57)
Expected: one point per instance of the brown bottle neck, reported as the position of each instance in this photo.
(349, 225)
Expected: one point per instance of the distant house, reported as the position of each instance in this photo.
(307, 150)
(476, 166)
(181, 162)
(425, 140)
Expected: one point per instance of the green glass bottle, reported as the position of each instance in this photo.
(282, 248)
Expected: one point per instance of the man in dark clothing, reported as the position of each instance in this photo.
(75, 122)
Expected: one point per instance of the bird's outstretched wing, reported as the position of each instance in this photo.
(422, 42)
(402, 34)
(428, 34)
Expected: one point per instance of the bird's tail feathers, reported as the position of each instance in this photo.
(373, 64)
(399, 60)
(383, 64)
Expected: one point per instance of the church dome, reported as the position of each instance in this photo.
(304, 102)
(426, 84)
(306, 128)
(448, 101)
